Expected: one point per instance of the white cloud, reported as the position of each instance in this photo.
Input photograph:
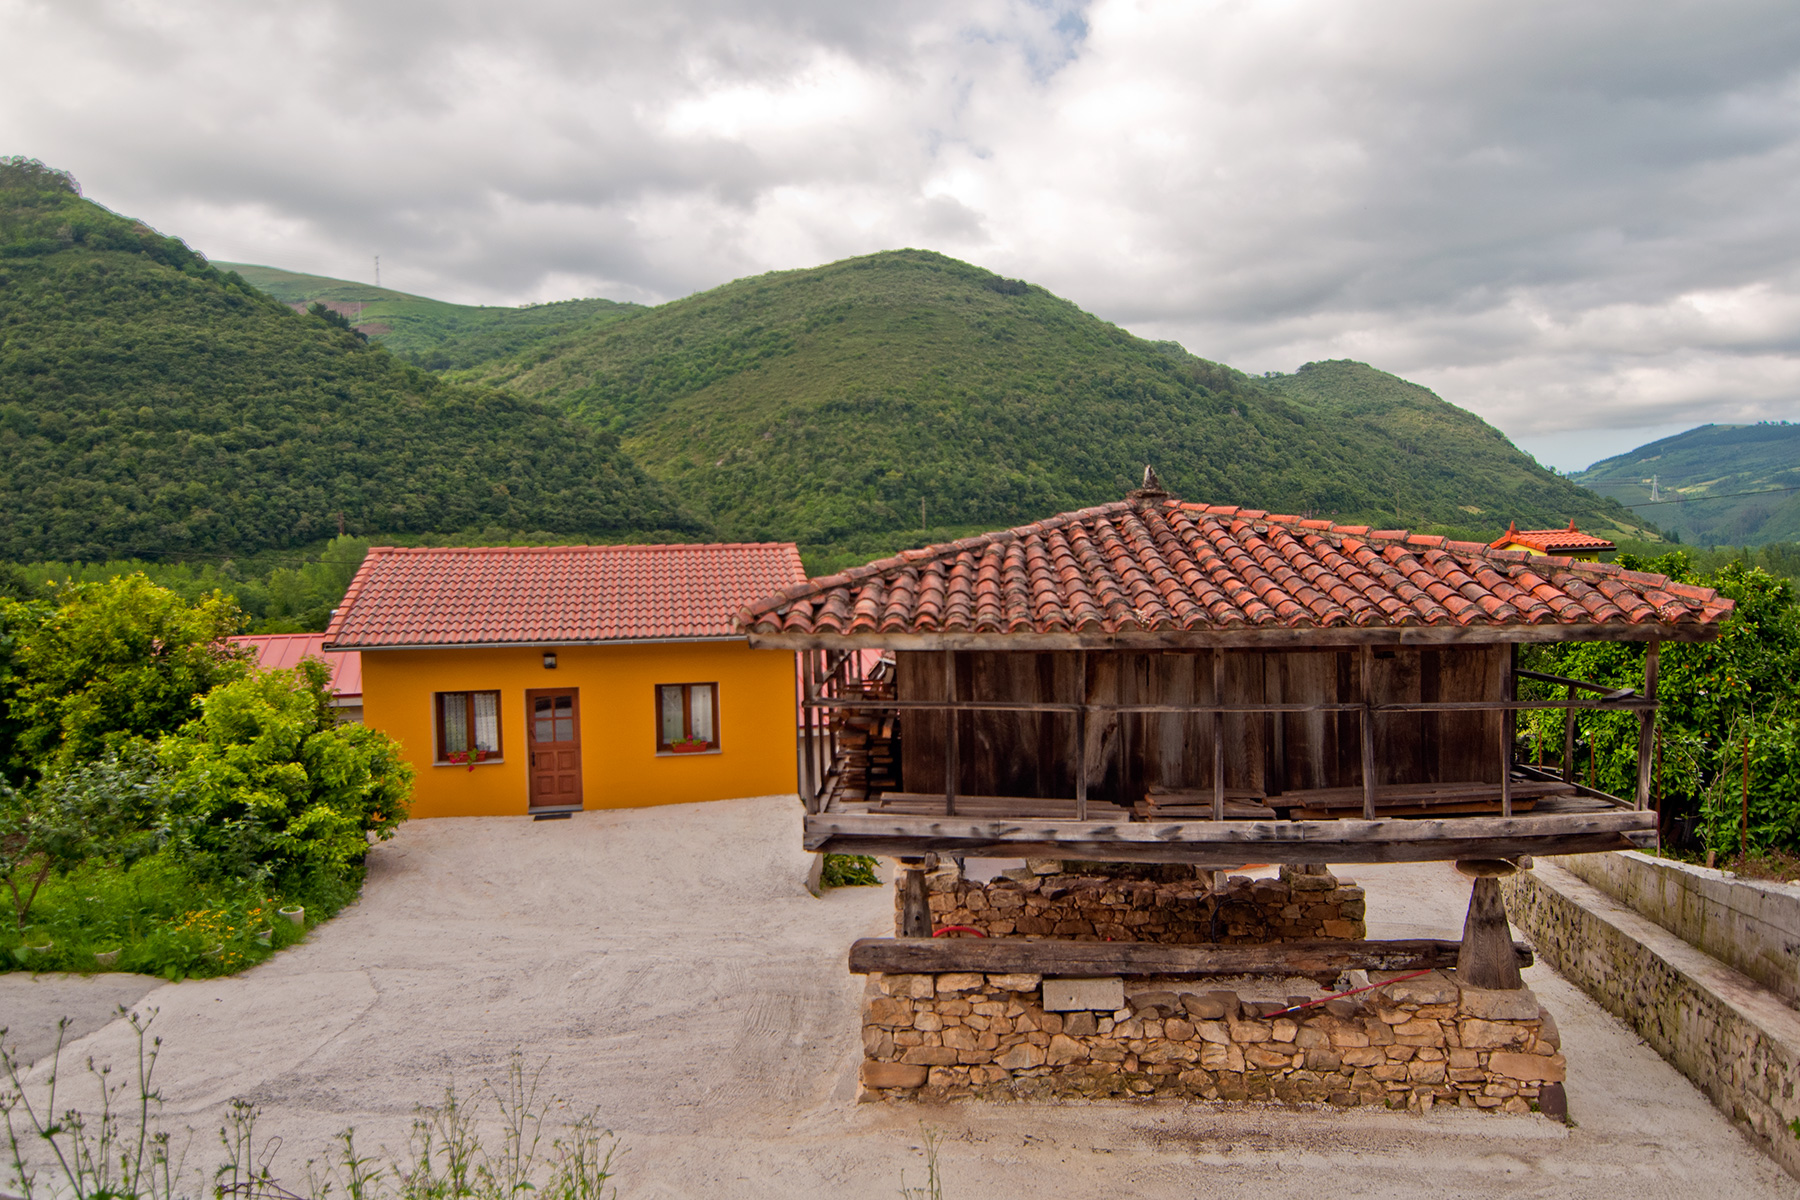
(1577, 220)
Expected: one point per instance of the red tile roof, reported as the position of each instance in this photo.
(279, 651)
(1551, 541)
(1152, 566)
(543, 595)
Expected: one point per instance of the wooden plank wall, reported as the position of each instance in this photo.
(1033, 754)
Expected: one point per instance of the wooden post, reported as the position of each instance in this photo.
(1368, 732)
(809, 790)
(1218, 724)
(951, 758)
(1487, 958)
(1509, 729)
(1124, 798)
(1569, 736)
(915, 898)
(1647, 726)
(1081, 743)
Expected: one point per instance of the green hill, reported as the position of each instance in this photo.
(152, 405)
(431, 333)
(1703, 472)
(825, 405)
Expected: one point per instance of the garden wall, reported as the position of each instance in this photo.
(1300, 906)
(1739, 1042)
(1414, 1044)
(1751, 926)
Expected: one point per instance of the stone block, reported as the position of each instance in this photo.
(917, 987)
(1547, 1030)
(1532, 1068)
(1015, 983)
(960, 1038)
(1178, 1030)
(1212, 1031)
(1476, 1034)
(929, 1056)
(1044, 866)
(954, 983)
(1426, 989)
(1285, 1030)
(1491, 1004)
(927, 1021)
(892, 1075)
(1064, 1050)
(1425, 1072)
(888, 1011)
(1080, 1024)
(1021, 1057)
(1090, 995)
(1166, 1001)
(1267, 1057)
(1363, 1056)
(1210, 1006)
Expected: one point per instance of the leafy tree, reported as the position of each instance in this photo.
(1716, 698)
(265, 782)
(111, 662)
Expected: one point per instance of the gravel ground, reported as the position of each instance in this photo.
(669, 965)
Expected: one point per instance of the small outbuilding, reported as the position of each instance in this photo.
(1567, 543)
(283, 651)
(545, 680)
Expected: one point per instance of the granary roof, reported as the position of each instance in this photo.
(1156, 571)
(280, 651)
(1552, 541)
(543, 595)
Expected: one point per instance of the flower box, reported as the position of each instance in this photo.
(464, 756)
(689, 747)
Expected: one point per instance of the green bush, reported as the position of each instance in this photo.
(103, 811)
(266, 784)
(108, 663)
(848, 870)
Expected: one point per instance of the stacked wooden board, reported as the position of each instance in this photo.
(1196, 804)
(869, 755)
(1416, 799)
(930, 804)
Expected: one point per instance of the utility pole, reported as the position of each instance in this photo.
(378, 270)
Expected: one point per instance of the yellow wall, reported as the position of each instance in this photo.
(620, 765)
(1594, 557)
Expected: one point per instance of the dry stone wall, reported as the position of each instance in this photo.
(1299, 906)
(1413, 1044)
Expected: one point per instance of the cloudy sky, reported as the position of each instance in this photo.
(1580, 220)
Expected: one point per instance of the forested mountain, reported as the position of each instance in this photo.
(152, 405)
(825, 405)
(1701, 477)
(431, 333)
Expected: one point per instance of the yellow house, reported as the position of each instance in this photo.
(544, 680)
(1566, 543)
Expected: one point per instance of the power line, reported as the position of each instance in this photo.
(1718, 496)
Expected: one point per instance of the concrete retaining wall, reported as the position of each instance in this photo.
(1750, 926)
(1739, 1042)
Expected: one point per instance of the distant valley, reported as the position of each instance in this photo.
(1727, 485)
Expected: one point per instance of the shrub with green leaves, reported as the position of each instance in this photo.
(109, 663)
(265, 783)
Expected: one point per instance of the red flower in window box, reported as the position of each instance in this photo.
(461, 756)
(690, 746)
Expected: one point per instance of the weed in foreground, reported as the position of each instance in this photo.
(120, 1154)
(934, 1186)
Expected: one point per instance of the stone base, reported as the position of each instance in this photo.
(1411, 1045)
(1300, 906)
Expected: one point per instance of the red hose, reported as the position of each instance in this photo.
(1340, 995)
(959, 929)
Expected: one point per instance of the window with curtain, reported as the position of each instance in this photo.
(468, 721)
(687, 717)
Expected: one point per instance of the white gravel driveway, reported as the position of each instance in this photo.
(671, 967)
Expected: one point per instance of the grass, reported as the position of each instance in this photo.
(1773, 866)
(163, 921)
(848, 870)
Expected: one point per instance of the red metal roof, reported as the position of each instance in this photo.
(1152, 566)
(1551, 541)
(279, 651)
(542, 595)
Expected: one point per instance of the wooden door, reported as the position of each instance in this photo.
(553, 734)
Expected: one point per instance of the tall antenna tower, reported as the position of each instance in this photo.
(1655, 495)
(378, 270)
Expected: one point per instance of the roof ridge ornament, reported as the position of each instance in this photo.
(1152, 489)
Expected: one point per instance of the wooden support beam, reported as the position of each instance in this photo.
(1081, 781)
(1510, 732)
(914, 918)
(1218, 729)
(1569, 740)
(1368, 732)
(1647, 726)
(1051, 956)
(1232, 843)
(1484, 959)
(951, 758)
